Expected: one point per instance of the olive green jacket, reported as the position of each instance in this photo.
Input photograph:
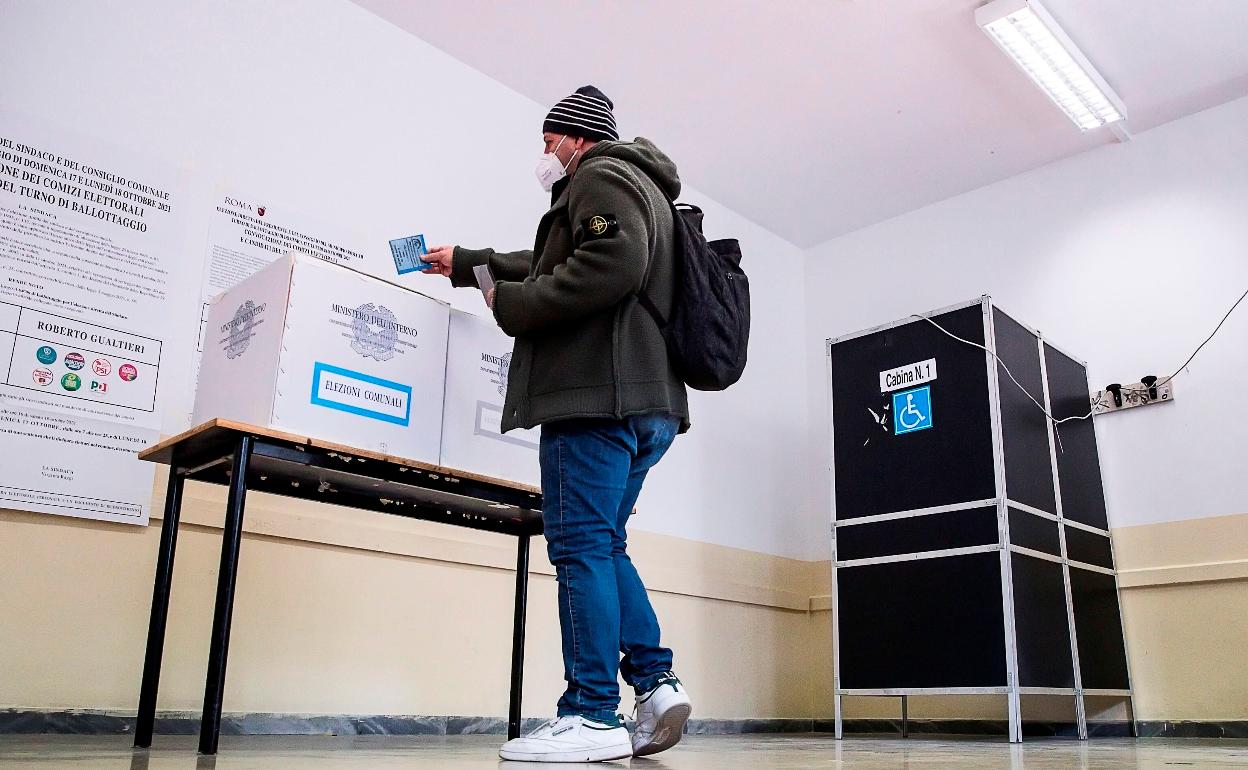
(584, 345)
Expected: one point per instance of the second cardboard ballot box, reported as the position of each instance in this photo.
(477, 360)
(316, 349)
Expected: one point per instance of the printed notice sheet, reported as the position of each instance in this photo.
(246, 233)
(87, 241)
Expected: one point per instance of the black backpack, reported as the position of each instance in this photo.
(709, 327)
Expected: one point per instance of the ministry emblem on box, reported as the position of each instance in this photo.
(241, 328)
(372, 332)
(496, 367)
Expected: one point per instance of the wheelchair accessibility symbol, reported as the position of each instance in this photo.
(912, 410)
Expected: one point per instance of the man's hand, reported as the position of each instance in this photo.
(440, 257)
(489, 299)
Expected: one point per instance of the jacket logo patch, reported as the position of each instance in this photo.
(600, 226)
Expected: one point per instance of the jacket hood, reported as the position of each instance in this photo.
(643, 154)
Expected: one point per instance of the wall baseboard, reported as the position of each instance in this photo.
(1194, 729)
(1147, 728)
(87, 722)
(989, 727)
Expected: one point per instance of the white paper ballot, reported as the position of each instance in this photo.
(485, 279)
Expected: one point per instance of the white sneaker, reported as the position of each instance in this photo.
(661, 716)
(569, 739)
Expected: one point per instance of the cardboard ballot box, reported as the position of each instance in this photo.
(476, 382)
(320, 350)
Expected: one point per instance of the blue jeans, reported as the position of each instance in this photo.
(592, 471)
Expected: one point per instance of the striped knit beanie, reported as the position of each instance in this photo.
(586, 113)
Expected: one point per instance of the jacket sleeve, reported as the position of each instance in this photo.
(602, 270)
(506, 266)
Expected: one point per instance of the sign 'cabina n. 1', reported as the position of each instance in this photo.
(908, 375)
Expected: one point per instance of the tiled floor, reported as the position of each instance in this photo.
(735, 752)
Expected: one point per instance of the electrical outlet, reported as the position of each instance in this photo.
(1133, 395)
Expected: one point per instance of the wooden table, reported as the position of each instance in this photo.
(245, 457)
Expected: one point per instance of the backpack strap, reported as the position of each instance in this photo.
(643, 297)
(644, 300)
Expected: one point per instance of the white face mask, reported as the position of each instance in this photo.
(549, 170)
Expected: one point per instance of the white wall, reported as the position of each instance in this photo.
(335, 113)
(1126, 256)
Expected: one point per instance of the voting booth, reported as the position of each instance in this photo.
(317, 349)
(477, 361)
(971, 548)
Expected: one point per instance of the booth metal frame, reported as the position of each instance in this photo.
(1002, 503)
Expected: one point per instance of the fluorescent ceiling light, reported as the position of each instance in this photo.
(1032, 38)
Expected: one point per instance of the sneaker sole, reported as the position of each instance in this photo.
(604, 754)
(668, 731)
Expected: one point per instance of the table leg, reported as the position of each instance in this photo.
(160, 609)
(517, 638)
(232, 535)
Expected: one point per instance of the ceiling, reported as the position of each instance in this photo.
(818, 117)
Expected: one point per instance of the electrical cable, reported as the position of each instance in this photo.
(1206, 342)
(1027, 393)
(1040, 406)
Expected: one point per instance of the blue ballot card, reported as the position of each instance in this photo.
(407, 254)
